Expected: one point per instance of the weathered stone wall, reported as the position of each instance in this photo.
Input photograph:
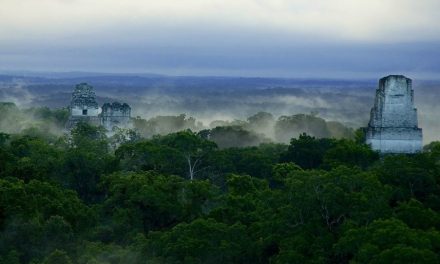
(116, 114)
(78, 111)
(83, 106)
(395, 140)
(393, 126)
(84, 98)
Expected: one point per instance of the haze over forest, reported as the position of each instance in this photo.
(330, 54)
(238, 137)
(208, 99)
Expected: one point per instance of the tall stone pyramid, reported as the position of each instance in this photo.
(393, 126)
(83, 106)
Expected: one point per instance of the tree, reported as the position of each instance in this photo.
(32, 158)
(307, 151)
(287, 127)
(335, 196)
(100, 253)
(90, 138)
(38, 217)
(192, 147)
(411, 177)
(122, 136)
(415, 215)
(82, 171)
(348, 153)
(388, 241)
(163, 125)
(5, 156)
(235, 136)
(262, 122)
(146, 201)
(182, 153)
(57, 257)
(339, 131)
(201, 241)
(281, 170)
(10, 258)
(4, 138)
(254, 161)
(86, 159)
(147, 155)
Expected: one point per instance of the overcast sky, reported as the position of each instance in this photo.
(286, 38)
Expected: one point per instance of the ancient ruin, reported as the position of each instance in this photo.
(84, 108)
(115, 115)
(393, 126)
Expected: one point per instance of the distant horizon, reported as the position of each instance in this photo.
(336, 39)
(151, 74)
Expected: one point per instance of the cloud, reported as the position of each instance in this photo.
(292, 38)
(352, 20)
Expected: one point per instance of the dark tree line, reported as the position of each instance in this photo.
(179, 198)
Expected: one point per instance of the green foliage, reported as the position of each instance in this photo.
(178, 198)
(307, 151)
(389, 241)
(412, 177)
(10, 258)
(292, 126)
(182, 153)
(360, 135)
(3, 139)
(31, 158)
(241, 185)
(349, 153)
(201, 241)
(251, 161)
(57, 257)
(38, 217)
(87, 158)
(281, 170)
(288, 127)
(100, 253)
(186, 142)
(339, 194)
(42, 121)
(140, 202)
(234, 136)
(88, 137)
(146, 155)
(415, 215)
(82, 171)
(339, 131)
(123, 136)
(261, 119)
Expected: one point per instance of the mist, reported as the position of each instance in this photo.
(169, 104)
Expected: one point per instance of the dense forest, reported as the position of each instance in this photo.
(174, 191)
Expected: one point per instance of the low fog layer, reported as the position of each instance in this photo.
(215, 101)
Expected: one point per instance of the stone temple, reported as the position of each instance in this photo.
(393, 126)
(115, 114)
(84, 108)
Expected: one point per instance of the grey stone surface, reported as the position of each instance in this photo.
(84, 107)
(83, 96)
(116, 114)
(393, 126)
